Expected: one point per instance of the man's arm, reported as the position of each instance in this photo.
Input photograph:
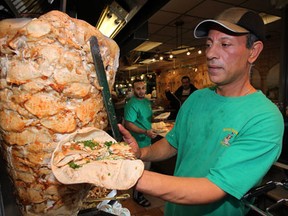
(132, 127)
(181, 190)
(160, 150)
(175, 189)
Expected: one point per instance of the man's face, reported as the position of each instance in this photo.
(139, 89)
(227, 58)
(185, 84)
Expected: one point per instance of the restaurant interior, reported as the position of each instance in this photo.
(157, 45)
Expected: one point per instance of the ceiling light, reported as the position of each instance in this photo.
(161, 58)
(130, 68)
(188, 53)
(199, 52)
(180, 50)
(146, 61)
(170, 56)
(147, 45)
(112, 20)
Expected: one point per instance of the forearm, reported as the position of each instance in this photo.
(179, 189)
(132, 127)
(159, 151)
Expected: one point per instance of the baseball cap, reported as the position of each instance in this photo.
(236, 20)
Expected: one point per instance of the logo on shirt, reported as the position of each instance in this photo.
(231, 133)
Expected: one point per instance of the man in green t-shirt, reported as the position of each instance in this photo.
(138, 116)
(226, 137)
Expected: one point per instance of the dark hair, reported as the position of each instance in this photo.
(138, 80)
(185, 77)
(251, 39)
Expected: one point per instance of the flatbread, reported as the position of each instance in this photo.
(110, 171)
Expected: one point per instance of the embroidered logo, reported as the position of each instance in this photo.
(228, 137)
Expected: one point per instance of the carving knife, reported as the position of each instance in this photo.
(102, 79)
(121, 197)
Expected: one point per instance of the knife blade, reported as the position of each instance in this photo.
(102, 79)
(120, 197)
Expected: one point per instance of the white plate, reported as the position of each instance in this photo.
(164, 115)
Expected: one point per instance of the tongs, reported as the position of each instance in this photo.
(120, 197)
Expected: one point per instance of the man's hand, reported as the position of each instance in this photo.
(151, 133)
(128, 138)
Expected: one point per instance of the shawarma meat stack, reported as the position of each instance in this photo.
(48, 89)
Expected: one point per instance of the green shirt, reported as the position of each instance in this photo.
(139, 112)
(232, 141)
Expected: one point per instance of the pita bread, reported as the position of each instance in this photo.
(107, 172)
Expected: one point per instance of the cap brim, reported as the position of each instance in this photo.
(202, 29)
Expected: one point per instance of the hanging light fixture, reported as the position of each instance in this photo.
(112, 20)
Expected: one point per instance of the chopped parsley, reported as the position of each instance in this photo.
(108, 143)
(73, 165)
(89, 143)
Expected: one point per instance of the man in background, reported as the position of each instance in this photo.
(137, 119)
(181, 94)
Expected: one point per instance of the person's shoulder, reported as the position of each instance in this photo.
(263, 101)
(200, 94)
(180, 88)
(193, 87)
(204, 91)
(130, 101)
(267, 109)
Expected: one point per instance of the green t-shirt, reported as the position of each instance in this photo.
(232, 141)
(139, 112)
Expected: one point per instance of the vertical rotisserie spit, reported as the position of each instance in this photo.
(48, 89)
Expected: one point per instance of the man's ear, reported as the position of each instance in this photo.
(256, 49)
